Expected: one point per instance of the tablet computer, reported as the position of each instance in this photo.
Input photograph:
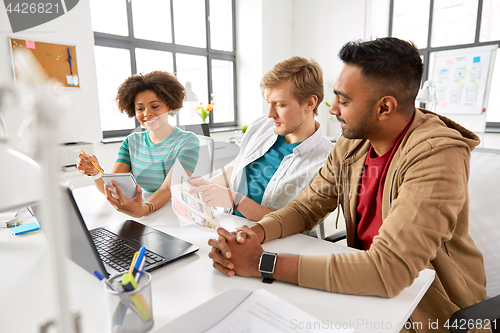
(126, 182)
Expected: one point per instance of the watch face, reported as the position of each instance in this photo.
(267, 263)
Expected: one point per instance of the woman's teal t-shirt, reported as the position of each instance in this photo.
(150, 163)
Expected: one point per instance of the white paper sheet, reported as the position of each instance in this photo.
(189, 207)
(265, 312)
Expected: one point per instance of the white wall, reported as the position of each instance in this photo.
(268, 31)
(82, 121)
(314, 29)
(324, 26)
(264, 30)
(248, 59)
(278, 32)
(331, 24)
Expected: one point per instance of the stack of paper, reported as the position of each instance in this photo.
(238, 311)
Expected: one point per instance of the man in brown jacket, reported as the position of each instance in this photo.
(400, 175)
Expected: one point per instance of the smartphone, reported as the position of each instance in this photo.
(125, 181)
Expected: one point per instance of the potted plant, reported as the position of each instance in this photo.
(204, 111)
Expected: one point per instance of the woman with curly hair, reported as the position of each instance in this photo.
(149, 155)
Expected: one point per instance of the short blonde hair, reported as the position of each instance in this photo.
(305, 78)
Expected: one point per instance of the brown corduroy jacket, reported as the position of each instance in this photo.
(425, 221)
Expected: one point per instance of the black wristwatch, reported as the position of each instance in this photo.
(266, 266)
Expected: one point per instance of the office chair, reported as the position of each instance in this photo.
(205, 165)
(318, 231)
(484, 222)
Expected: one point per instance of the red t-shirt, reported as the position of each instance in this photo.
(369, 209)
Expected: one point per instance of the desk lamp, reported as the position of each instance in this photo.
(428, 94)
(24, 182)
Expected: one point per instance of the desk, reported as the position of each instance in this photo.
(182, 285)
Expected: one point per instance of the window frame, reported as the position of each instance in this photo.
(131, 43)
(425, 52)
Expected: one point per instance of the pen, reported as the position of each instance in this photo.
(101, 278)
(138, 261)
(138, 275)
(98, 168)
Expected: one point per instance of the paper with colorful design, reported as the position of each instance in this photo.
(189, 207)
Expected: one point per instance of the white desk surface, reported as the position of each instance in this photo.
(182, 285)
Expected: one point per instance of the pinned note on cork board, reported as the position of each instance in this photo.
(57, 60)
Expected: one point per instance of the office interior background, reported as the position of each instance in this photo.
(219, 49)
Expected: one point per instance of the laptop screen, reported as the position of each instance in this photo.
(114, 240)
(82, 248)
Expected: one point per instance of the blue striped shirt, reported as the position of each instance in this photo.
(150, 162)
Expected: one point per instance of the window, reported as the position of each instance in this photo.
(112, 67)
(192, 73)
(439, 25)
(490, 25)
(454, 22)
(411, 21)
(193, 39)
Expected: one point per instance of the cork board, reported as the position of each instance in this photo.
(58, 61)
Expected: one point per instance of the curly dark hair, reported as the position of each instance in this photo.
(165, 86)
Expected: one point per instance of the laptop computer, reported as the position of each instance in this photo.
(110, 250)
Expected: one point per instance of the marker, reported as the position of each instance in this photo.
(128, 282)
(131, 269)
(138, 300)
(97, 167)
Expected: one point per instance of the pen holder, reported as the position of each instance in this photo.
(132, 311)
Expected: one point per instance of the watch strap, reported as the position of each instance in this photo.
(267, 277)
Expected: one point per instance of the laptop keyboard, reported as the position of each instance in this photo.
(115, 252)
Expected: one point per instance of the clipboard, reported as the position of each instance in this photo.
(125, 181)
